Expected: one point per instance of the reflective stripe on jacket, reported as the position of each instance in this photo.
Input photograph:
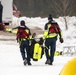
(51, 35)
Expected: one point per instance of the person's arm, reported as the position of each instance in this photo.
(15, 28)
(59, 31)
(28, 30)
(60, 35)
(45, 31)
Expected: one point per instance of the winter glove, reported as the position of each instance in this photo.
(41, 41)
(61, 40)
(33, 35)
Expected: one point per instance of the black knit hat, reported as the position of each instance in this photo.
(50, 17)
(22, 22)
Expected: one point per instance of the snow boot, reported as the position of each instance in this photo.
(25, 62)
(29, 64)
(47, 61)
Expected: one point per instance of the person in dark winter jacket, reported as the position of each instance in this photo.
(52, 30)
(1, 11)
(2, 27)
(23, 35)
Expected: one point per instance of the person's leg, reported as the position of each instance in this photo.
(28, 52)
(22, 53)
(47, 50)
(28, 55)
(0, 18)
(52, 50)
(22, 50)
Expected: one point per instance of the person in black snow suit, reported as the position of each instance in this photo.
(23, 35)
(1, 11)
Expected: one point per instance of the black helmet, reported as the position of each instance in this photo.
(22, 22)
(50, 17)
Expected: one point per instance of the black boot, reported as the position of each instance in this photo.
(47, 61)
(50, 63)
(25, 62)
(29, 63)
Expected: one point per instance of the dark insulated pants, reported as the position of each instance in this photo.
(0, 18)
(50, 43)
(25, 46)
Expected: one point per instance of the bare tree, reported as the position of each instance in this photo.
(62, 8)
(42, 8)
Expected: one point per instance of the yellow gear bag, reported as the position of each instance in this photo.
(37, 51)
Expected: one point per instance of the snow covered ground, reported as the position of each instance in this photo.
(10, 58)
(11, 63)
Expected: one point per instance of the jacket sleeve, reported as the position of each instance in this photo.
(29, 32)
(59, 31)
(15, 28)
(45, 31)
